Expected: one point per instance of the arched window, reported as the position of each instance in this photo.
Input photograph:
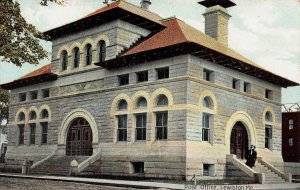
(141, 103)
(141, 120)
(207, 118)
(44, 114)
(76, 56)
(88, 54)
(64, 61)
(32, 115)
(21, 116)
(122, 105)
(162, 119)
(269, 117)
(162, 100)
(102, 51)
(268, 130)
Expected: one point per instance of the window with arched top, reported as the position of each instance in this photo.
(102, 51)
(88, 54)
(269, 130)
(162, 119)
(207, 118)
(122, 105)
(21, 116)
(141, 120)
(269, 117)
(44, 114)
(141, 103)
(64, 60)
(162, 100)
(32, 115)
(76, 57)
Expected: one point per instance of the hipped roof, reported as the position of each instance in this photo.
(179, 38)
(40, 75)
(169, 38)
(118, 10)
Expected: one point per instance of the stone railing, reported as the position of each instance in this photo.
(43, 160)
(287, 177)
(257, 177)
(89, 161)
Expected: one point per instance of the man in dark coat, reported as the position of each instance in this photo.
(251, 158)
(254, 156)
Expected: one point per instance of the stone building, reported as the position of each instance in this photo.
(129, 93)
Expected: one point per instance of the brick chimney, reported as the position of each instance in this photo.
(145, 4)
(216, 19)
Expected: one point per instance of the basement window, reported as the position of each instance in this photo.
(22, 97)
(162, 73)
(138, 167)
(123, 79)
(208, 169)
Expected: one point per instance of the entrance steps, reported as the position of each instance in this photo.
(270, 177)
(263, 172)
(57, 165)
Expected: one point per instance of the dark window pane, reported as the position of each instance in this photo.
(44, 133)
(45, 114)
(32, 133)
(162, 101)
(45, 93)
(76, 57)
(21, 116)
(33, 95)
(141, 122)
(102, 51)
(123, 80)
(122, 128)
(142, 103)
(21, 134)
(22, 97)
(142, 76)
(89, 54)
(138, 167)
(162, 73)
(64, 60)
(122, 105)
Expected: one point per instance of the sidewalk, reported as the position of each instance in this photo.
(154, 185)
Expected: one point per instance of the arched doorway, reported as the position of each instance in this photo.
(239, 141)
(79, 138)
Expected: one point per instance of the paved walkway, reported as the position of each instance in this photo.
(154, 185)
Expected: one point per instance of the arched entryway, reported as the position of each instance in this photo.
(79, 138)
(239, 140)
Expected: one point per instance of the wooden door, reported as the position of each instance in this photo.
(79, 139)
(239, 141)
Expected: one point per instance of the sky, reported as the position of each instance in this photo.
(265, 31)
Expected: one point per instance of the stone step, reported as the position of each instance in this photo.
(57, 165)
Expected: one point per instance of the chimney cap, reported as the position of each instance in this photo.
(222, 3)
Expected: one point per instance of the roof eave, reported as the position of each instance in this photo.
(47, 77)
(102, 18)
(201, 52)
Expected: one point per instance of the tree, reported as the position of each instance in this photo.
(4, 100)
(19, 41)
